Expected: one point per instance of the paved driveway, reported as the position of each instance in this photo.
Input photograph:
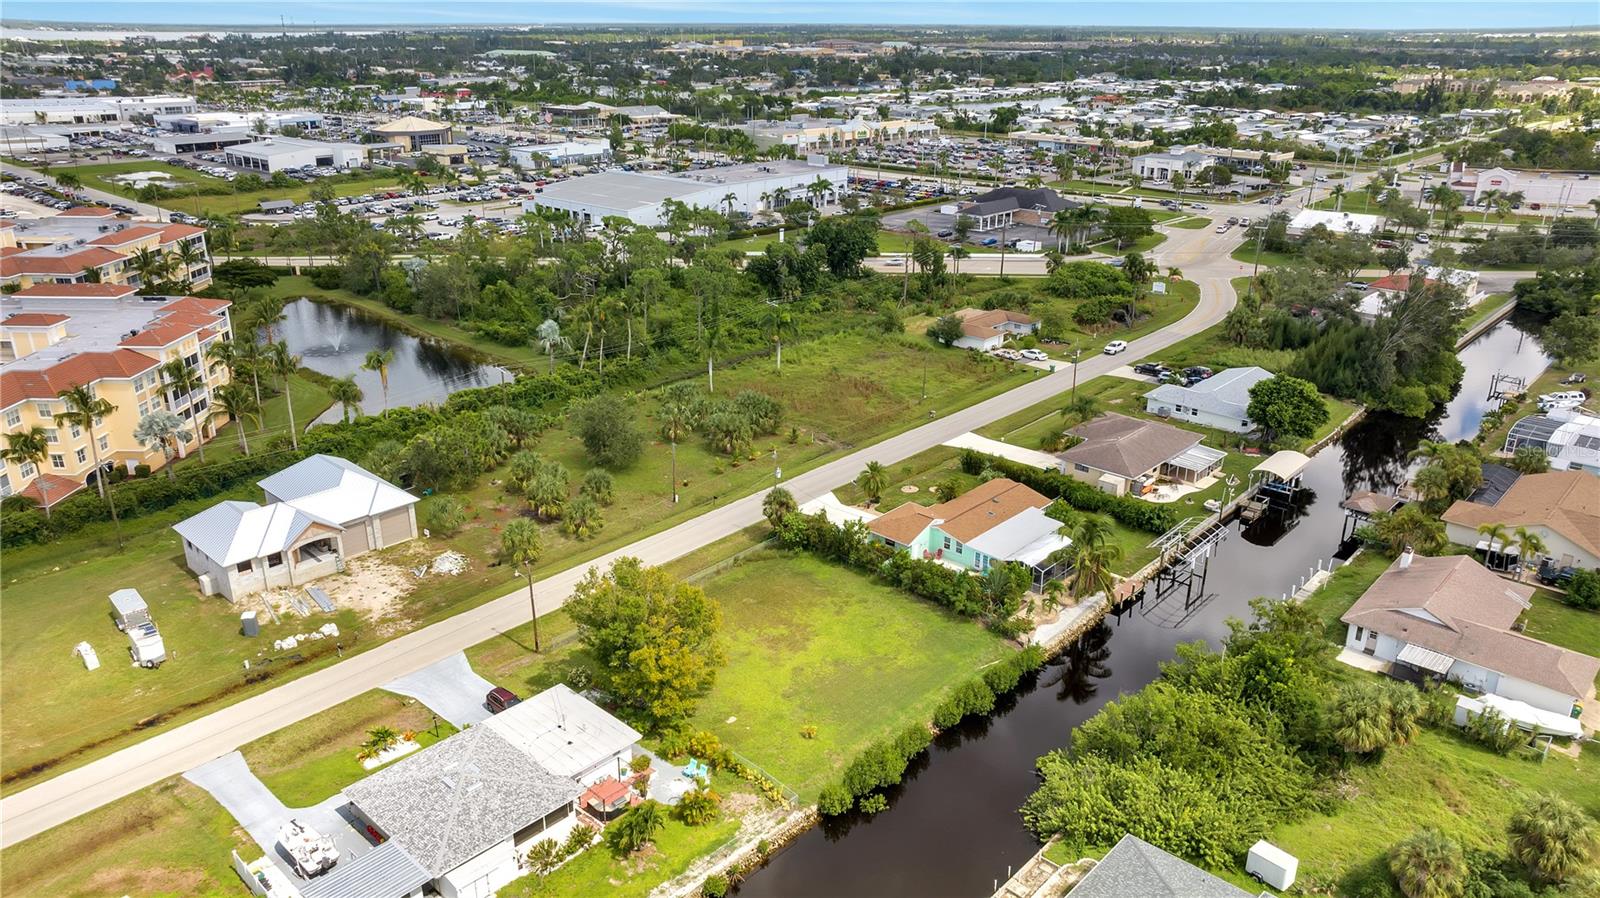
(449, 687)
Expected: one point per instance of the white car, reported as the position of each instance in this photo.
(1115, 346)
(1011, 354)
(1035, 355)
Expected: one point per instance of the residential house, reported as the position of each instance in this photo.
(1562, 507)
(1570, 437)
(1386, 290)
(1119, 454)
(1451, 618)
(319, 512)
(997, 521)
(1134, 868)
(987, 329)
(56, 337)
(1221, 400)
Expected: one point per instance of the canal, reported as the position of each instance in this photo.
(335, 339)
(952, 827)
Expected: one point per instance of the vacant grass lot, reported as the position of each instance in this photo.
(1556, 622)
(100, 176)
(168, 841)
(830, 648)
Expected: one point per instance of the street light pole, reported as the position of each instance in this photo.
(1076, 354)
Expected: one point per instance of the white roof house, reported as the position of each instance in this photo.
(1337, 222)
(330, 488)
(1030, 536)
(564, 732)
(1221, 400)
(235, 531)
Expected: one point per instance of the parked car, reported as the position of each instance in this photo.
(1194, 374)
(1150, 369)
(1576, 377)
(1553, 574)
(1036, 355)
(1355, 285)
(1115, 346)
(500, 698)
(1422, 238)
(1004, 353)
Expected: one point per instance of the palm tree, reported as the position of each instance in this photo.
(1081, 409)
(1360, 719)
(186, 257)
(777, 321)
(183, 380)
(1092, 556)
(873, 480)
(1497, 538)
(1429, 865)
(1553, 838)
(520, 547)
(84, 409)
(150, 265)
(31, 447)
(549, 338)
(712, 340)
(1063, 225)
(1530, 546)
(959, 252)
(162, 430)
(1489, 198)
(347, 393)
(235, 401)
(778, 504)
(378, 360)
(1338, 197)
(284, 364)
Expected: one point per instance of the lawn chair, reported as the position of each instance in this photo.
(696, 770)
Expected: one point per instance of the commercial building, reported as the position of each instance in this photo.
(414, 133)
(56, 337)
(1538, 189)
(90, 110)
(1337, 222)
(567, 152)
(1450, 618)
(276, 154)
(1052, 142)
(1003, 207)
(641, 197)
(91, 244)
(319, 512)
(1190, 161)
(818, 135)
(196, 122)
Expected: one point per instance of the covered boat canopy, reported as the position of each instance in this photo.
(1284, 466)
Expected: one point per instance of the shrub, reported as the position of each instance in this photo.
(546, 855)
(971, 697)
(1583, 590)
(834, 800)
(599, 485)
(698, 807)
(872, 804)
(446, 515)
(715, 886)
(1135, 513)
(634, 829)
(605, 425)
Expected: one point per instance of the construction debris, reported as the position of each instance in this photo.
(328, 630)
(451, 563)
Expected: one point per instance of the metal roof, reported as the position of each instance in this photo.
(1284, 465)
(1030, 536)
(1425, 659)
(384, 872)
(1197, 458)
(330, 488)
(1225, 393)
(562, 731)
(231, 532)
(127, 601)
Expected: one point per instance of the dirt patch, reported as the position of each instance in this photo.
(741, 803)
(146, 881)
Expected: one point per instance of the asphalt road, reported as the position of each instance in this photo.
(1202, 255)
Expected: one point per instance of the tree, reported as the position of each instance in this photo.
(31, 447)
(653, 638)
(183, 380)
(1429, 865)
(347, 393)
(548, 337)
(778, 504)
(606, 426)
(84, 411)
(1529, 460)
(1530, 545)
(1092, 555)
(582, 518)
(1081, 409)
(1572, 339)
(599, 485)
(779, 323)
(162, 430)
(635, 828)
(521, 548)
(1409, 526)
(1452, 472)
(379, 360)
(946, 329)
(1553, 838)
(873, 480)
(712, 339)
(236, 402)
(282, 362)
(1286, 406)
(678, 413)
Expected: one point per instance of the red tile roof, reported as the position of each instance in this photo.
(83, 368)
(77, 291)
(159, 334)
(69, 263)
(173, 232)
(58, 488)
(198, 304)
(33, 319)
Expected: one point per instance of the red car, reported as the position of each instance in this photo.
(500, 698)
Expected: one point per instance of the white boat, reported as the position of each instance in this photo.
(312, 852)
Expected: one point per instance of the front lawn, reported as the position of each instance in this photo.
(1247, 254)
(596, 872)
(811, 643)
(1195, 223)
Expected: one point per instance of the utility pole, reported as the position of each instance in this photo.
(1076, 354)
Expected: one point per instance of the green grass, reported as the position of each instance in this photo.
(830, 648)
(1548, 382)
(307, 762)
(1554, 621)
(1142, 245)
(1485, 307)
(1194, 223)
(1439, 780)
(1342, 589)
(310, 400)
(99, 176)
(596, 872)
(1246, 253)
(169, 840)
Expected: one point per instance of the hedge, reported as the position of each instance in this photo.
(1135, 513)
(959, 591)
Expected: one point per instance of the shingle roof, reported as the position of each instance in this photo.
(903, 523)
(1454, 606)
(1127, 447)
(1567, 502)
(1226, 393)
(984, 324)
(1137, 869)
(965, 517)
(448, 803)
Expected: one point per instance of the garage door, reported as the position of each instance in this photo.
(395, 527)
(355, 539)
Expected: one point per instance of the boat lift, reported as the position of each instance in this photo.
(1274, 485)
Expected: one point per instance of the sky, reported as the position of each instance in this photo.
(1326, 14)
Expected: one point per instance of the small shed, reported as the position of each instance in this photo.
(1271, 865)
(276, 205)
(129, 610)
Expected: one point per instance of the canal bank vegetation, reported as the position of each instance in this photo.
(1270, 738)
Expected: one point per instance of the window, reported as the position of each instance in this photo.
(105, 444)
(13, 417)
(27, 469)
(5, 484)
(275, 559)
(42, 409)
(52, 435)
(947, 542)
(83, 455)
(56, 461)
(144, 408)
(242, 567)
(76, 431)
(1080, 467)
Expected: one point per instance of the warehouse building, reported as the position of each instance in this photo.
(284, 153)
(89, 110)
(641, 197)
(569, 152)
